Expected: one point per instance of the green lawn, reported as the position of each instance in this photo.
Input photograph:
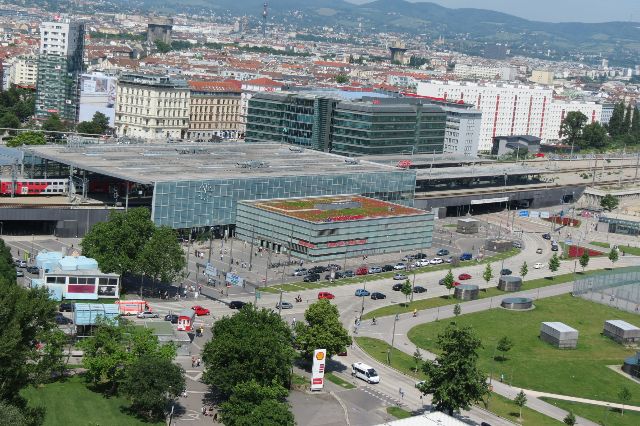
(507, 409)
(300, 286)
(533, 364)
(635, 251)
(599, 244)
(378, 349)
(338, 381)
(598, 414)
(399, 413)
(72, 403)
(401, 308)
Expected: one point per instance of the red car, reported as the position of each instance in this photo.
(200, 311)
(464, 277)
(456, 283)
(325, 295)
(363, 270)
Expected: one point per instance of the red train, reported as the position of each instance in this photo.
(35, 186)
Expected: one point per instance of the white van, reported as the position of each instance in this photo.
(364, 372)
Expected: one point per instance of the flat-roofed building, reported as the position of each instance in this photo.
(214, 110)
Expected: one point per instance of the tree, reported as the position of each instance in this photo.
(584, 259)
(457, 310)
(254, 404)
(97, 126)
(448, 282)
(613, 256)
(151, 382)
(504, 345)
(54, 124)
(626, 123)
(524, 269)
(594, 135)
(162, 257)
(624, 396)
(251, 345)
(406, 290)
(9, 120)
(609, 202)
(162, 46)
(488, 273)
(635, 122)
(616, 121)
(27, 138)
(571, 127)
(554, 263)
(323, 329)
(520, 400)
(417, 357)
(342, 79)
(453, 378)
(570, 419)
(117, 243)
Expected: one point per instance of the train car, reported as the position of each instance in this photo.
(35, 187)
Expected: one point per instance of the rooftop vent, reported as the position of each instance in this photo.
(352, 161)
(253, 164)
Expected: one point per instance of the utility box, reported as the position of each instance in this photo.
(621, 331)
(559, 335)
(466, 292)
(509, 283)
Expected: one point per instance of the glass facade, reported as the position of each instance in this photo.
(197, 203)
(621, 226)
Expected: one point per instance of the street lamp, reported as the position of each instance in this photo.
(393, 337)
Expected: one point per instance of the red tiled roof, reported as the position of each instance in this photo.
(216, 86)
(263, 82)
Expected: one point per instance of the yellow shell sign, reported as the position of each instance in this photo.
(320, 356)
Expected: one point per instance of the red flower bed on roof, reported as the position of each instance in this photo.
(577, 251)
(565, 221)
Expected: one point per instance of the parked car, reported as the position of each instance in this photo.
(62, 320)
(362, 271)
(147, 314)
(400, 266)
(464, 276)
(200, 311)
(317, 270)
(539, 251)
(236, 304)
(361, 292)
(311, 278)
(455, 283)
(546, 236)
(409, 257)
(419, 289)
(505, 271)
(284, 305)
(397, 287)
(336, 275)
(554, 247)
(466, 256)
(348, 273)
(325, 295)
(334, 266)
(171, 317)
(66, 307)
(436, 261)
(375, 270)
(516, 244)
(420, 256)
(399, 277)
(300, 272)
(421, 262)
(33, 269)
(449, 259)
(538, 265)
(19, 273)
(443, 252)
(377, 295)
(21, 263)
(387, 268)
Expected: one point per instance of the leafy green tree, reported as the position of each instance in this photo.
(251, 345)
(151, 382)
(571, 127)
(635, 122)
(616, 121)
(162, 256)
(594, 135)
(524, 269)
(520, 400)
(626, 123)
(342, 79)
(406, 290)
(322, 330)
(584, 259)
(613, 256)
(448, 282)
(117, 243)
(54, 124)
(457, 310)
(624, 396)
(417, 358)
(27, 138)
(453, 378)
(87, 127)
(52, 356)
(570, 419)
(504, 345)
(9, 121)
(21, 415)
(609, 202)
(97, 126)
(554, 263)
(254, 404)
(162, 47)
(488, 273)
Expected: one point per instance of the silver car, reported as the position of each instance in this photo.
(147, 314)
(284, 305)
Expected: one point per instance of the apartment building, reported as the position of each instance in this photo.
(60, 63)
(24, 71)
(558, 110)
(214, 110)
(462, 131)
(485, 72)
(152, 107)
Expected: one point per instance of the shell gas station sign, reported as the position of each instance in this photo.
(317, 371)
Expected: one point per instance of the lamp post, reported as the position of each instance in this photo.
(393, 337)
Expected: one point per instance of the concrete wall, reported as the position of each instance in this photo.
(69, 222)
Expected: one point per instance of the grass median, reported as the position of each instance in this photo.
(338, 381)
(301, 286)
(399, 413)
(420, 305)
(597, 413)
(379, 350)
(634, 251)
(507, 409)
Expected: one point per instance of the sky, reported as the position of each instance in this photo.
(553, 10)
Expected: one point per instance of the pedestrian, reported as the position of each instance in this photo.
(215, 417)
(193, 362)
(184, 393)
(204, 410)
(221, 257)
(199, 359)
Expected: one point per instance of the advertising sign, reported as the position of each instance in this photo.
(234, 279)
(210, 270)
(97, 94)
(523, 213)
(544, 215)
(317, 371)
(534, 214)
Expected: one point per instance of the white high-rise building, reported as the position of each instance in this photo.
(485, 72)
(559, 109)
(24, 71)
